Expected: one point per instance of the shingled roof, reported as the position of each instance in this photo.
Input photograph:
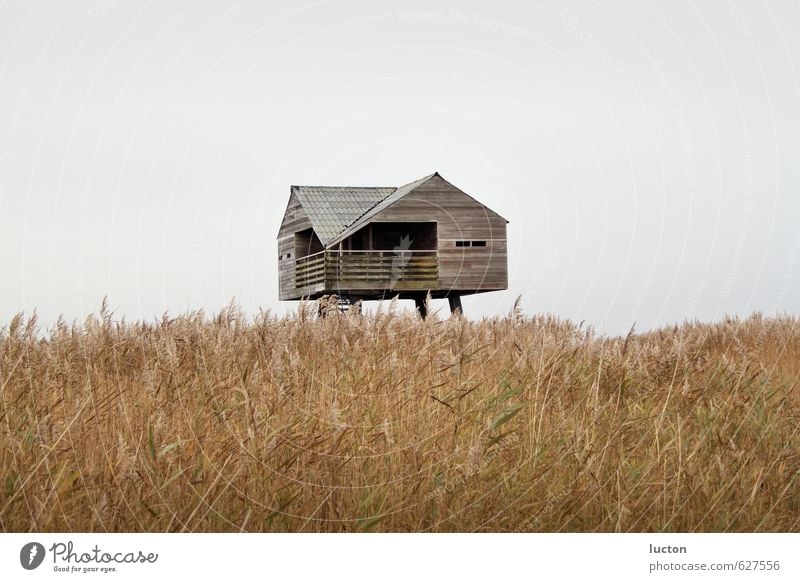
(336, 212)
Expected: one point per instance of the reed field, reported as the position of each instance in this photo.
(384, 422)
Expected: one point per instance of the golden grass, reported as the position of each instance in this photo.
(387, 423)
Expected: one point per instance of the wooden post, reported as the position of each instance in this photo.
(455, 304)
(422, 306)
(339, 264)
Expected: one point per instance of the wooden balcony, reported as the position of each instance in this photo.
(310, 270)
(369, 270)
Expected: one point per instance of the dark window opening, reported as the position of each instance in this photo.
(394, 236)
(470, 243)
(414, 236)
(306, 243)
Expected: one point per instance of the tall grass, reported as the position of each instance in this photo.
(387, 423)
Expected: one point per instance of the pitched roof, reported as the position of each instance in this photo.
(331, 209)
(335, 211)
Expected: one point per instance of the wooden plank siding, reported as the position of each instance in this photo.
(459, 217)
(286, 268)
(287, 273)
(295, 219)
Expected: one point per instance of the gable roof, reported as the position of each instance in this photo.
(336, 212)
(331, 209)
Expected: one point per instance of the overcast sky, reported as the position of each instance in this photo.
(646, 153)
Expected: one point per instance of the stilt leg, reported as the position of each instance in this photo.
(455, 304)
(422, 307)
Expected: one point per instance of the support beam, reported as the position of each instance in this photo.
(455, 304)
(422, 306)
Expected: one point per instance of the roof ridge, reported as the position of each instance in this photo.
(394, 189)
(420, 180)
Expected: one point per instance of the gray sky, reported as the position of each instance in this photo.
(645, 152)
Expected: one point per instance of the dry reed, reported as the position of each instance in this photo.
(386, 423)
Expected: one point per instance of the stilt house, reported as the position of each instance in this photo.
(376, 243)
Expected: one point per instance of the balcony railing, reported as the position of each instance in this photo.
(381, 269)
(310, 270)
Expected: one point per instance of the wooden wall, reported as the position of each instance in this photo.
(459, 217)
(286, 282)
(307, 243)
(295, 218)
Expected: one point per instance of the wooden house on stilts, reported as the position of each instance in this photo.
(359, 243)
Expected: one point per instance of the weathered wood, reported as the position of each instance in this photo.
(421, 304)
(436, 214)
(458, 217)
(455, 304)
(286, 269)
(295, 218)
